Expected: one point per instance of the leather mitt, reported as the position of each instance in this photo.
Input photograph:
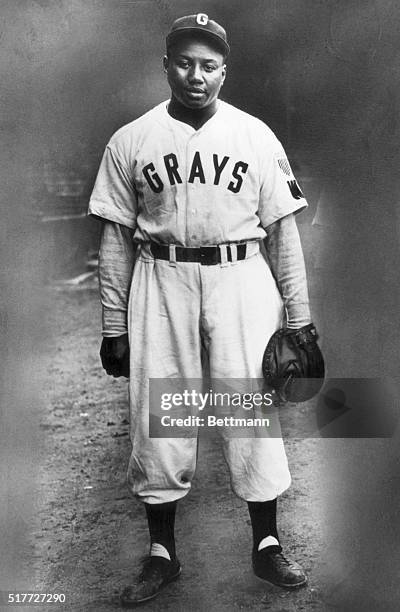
(293, 364)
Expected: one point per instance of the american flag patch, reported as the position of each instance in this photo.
(284, 165)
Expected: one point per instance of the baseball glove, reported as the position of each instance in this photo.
(293, 364)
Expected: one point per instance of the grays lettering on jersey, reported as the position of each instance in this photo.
(196, 172)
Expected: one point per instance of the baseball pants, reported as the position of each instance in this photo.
(231, 309)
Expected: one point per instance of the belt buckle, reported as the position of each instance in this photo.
(208, 256)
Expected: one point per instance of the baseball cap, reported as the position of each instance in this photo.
(199, 23)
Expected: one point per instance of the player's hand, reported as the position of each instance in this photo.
(114, 355)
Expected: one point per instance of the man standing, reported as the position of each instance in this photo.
(193, 186)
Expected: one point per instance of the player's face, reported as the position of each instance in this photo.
(195, 72)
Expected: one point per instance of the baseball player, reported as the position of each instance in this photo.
(186, 193)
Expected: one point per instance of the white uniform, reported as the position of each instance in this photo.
(221, 184)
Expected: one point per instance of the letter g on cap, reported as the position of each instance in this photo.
(202, 19)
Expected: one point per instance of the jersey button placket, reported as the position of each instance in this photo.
(190, 192)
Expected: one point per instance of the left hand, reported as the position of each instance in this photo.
(293, 364)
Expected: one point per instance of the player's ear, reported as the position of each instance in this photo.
(165, 63)
(223, 73)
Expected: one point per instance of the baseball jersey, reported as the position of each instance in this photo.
(173, 184)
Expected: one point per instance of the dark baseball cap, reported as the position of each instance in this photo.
(202, 24)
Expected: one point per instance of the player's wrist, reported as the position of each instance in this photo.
(297, 314)
(114, 323)
(114, 333)
(294, 325)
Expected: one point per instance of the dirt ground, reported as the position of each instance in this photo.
(89, 534)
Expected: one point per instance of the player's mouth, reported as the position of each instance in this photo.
(193, 92)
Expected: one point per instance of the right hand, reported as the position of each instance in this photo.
(114, 354)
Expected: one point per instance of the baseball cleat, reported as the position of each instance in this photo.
(277, 569)
(156, 573)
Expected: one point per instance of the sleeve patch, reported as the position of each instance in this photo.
(284, 165)
(295, 189)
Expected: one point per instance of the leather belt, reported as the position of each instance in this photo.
(207, 256)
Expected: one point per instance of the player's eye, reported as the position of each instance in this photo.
(183, 64)
(210, 67)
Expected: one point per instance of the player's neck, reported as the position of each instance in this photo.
(196, 117)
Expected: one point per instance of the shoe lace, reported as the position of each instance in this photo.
(280, 557)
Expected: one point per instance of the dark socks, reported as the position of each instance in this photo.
(161, 519)
(263, 521)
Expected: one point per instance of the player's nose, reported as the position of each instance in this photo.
(196, 74)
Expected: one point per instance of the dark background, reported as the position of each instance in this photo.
(325, 76)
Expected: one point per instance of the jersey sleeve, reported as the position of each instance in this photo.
(114, 196)
(280, 193)
(116, 261)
